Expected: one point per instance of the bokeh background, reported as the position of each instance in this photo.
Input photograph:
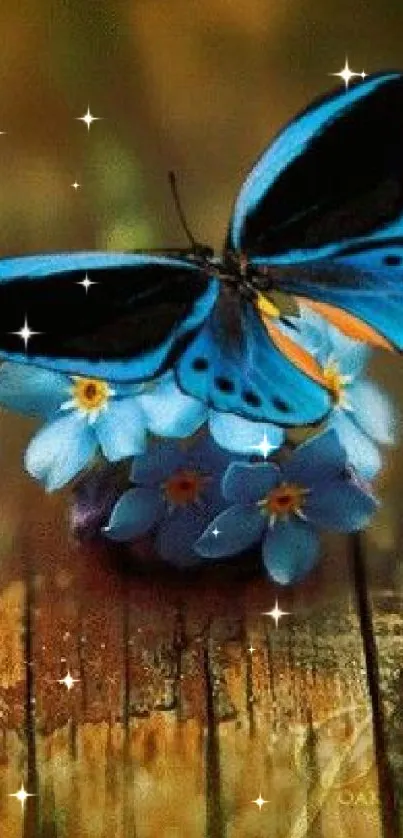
(198, 86)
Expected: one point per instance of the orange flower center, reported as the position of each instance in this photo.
(90, 393)
(284, 500)
(184, 487)
(334, 381)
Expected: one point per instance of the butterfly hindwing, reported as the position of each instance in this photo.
(130, 323)
(249, 376)
(332, 176)
(360, 290)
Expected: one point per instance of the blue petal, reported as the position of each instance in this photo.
(171, 413)
(248, 483)
(239, 527)
(327, 343)
(134, 514)
(373, 411)
(319, 459)
(161, 460)
(121, 429)
(243, 436)
(290, 550)
(61, 449)
(361, 452)
(178, 533)
(33, 391)
(340, 506)
(350, 355)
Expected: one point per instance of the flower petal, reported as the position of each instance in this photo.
(319, 459)
(340, 506)
(60, 450)
(171, 413)
(31, 390)
(231, 532)
(362, 453)
(373, 411)
(121, 429)
(134, 514)
(249, 482)
(290, 550)
(162, 458)
(242, 436)
(327, 343)
(178, 533)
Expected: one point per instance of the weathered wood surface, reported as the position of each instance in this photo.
(188, 702)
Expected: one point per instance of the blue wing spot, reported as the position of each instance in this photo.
(392, 259)
(200, 364)
(281, 405)
(251, 398)
(224, 384)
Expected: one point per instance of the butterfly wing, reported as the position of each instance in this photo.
(359, 290)
(323, 210)
(132, 323)
(333, 176)
(251, 375)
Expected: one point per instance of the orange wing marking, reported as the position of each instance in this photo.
(348, 324)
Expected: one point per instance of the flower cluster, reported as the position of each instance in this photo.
(203, 485)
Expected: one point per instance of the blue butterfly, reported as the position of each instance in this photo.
(319, 218)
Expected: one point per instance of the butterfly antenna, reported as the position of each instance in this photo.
(179, 210)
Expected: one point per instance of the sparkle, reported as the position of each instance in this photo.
(75, 185)
(88, 118)
(25, 333)
(68, 681)
(86, 283)
(259, 802)
(276, 613)
(363, 75)
(347, 74)
(215, 532)
(264, 447)
(21, 795)
(251, 649)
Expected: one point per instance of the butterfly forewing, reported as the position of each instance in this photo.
(133, 319)
(334, 174)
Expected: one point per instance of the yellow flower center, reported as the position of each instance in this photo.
(184, 487)
(335, 382)
(90, 394)
(284, 500)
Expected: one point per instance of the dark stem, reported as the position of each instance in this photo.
(387, 799)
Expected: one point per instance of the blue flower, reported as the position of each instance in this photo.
(362, 415)
(284, 507)
(84, 415)
(177, 493)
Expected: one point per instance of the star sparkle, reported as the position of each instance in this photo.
(276, 613)
(86, 283)
(251, 649)
(75, 185)
(21, 795)
(215, 532)
(264, 446)
(259, 802)
(25, 333)
(68, 681)
(347, 74)
(88, 118)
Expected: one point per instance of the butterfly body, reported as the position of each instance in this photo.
(319, 219)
